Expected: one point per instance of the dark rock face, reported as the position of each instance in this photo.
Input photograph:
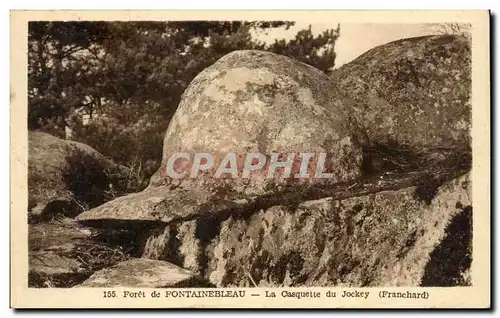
(449, 263)
(414, 94)
(65, 176)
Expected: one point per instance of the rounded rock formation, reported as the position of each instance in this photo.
(260, 102)
(413, 94)
(64, 176)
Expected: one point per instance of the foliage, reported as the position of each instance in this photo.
(115, 85)
(462, 29)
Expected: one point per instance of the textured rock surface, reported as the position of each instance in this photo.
(57, 233)
(52, 264)
(49, 248)
(413, 94)
(381, 239)
(139, 272)
(61, 172)
(62, 253)
(260, 102)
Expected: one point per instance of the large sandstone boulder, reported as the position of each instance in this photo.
(260, 102)
(247, 102)
(413, 95)
(65, 176)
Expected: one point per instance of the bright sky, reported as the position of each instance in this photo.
(355, 39)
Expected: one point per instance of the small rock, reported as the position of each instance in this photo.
(139, 272)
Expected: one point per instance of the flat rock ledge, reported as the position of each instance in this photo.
(164, 204)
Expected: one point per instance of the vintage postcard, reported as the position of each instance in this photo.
(250, 159)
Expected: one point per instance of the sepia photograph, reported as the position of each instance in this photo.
(215, 157)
